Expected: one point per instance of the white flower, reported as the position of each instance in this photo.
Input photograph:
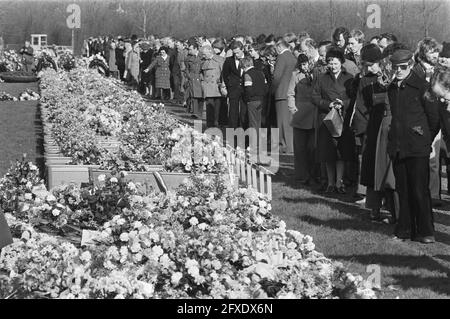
(28, 196)
(124, 237)
(131, 186)
(113, 180)
(50, 198)
(202, 226)
(101, 178)
(86, 256)
(175, 278)
(56, 212)
(147, 289)
(194, 271)
(216, 264)
(157, 251)
(120, 221)
(29, 184)
(33, 167)
(137, 224)
(193, 221)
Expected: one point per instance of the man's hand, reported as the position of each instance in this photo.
(293, 109)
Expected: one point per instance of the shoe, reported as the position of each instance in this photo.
(341, 190)
(425, 240)
(396, 238)
(330, 189)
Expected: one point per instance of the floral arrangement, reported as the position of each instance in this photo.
(29, 95)
(10, 61)
(207, 240)
(66, 61)
(192, 151)
(7, 97)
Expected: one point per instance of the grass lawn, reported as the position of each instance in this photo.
(20, 128)
(342, 231)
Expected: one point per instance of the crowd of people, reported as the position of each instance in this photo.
(370, 114)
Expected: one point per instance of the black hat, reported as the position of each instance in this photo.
(302, 58)
(334, 52)
(401, 56)
(371, 53)
(134, 37)
(445, 53)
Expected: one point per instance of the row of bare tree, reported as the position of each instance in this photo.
(409, 20)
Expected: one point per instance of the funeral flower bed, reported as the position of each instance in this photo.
(206, 240)
(81, 105)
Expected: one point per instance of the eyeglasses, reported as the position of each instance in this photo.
(402, 67)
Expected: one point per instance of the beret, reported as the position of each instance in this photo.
(371, 53)
(401, 56)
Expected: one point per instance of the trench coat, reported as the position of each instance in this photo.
(193, 83)
(211, 71)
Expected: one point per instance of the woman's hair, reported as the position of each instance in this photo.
(337, 33)
(358, 35)
(311, 48)
(163, 48)
(261, 38)
(425, 46)
(270, 38)
(269, 50)
(219, 44)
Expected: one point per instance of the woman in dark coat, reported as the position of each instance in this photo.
(146, 60)
(372, 97)
(332, 91)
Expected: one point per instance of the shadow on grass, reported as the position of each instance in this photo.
(407, 281)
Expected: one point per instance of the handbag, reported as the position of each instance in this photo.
(334, 122)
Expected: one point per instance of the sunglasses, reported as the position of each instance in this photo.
(402, 67)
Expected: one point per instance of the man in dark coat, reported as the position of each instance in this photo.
(284, 66)
(194, 92)
(415, 123)
(27, 56)
(232, 76)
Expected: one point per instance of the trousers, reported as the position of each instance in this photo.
(304, 153)
(238, 116)
(412, 175)
(284, 118)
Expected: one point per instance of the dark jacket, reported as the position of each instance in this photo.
(415, 119)
(284, 66)
(255, 85)
(371, 106)
(233, 78)
(120, 59)
(325, 91)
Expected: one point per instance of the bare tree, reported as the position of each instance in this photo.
(427, 13)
